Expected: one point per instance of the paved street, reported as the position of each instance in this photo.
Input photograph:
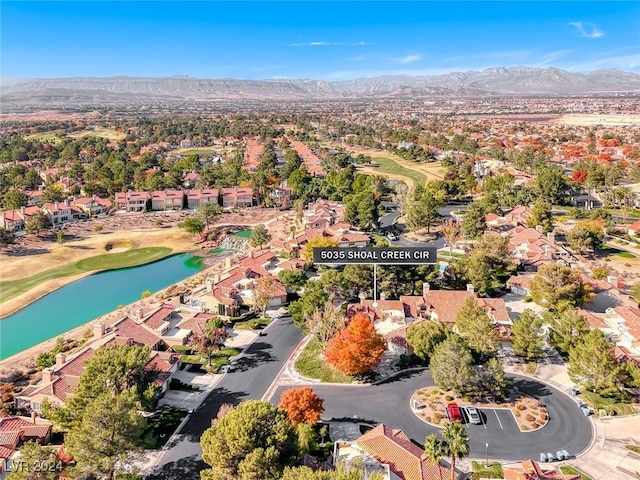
(388, 403)
(254, 372)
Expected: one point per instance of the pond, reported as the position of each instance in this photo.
(86, 299)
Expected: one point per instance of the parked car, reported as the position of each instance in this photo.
(474, 415)
(261, 333)
(543, 457)
(453, 412)
(392, 236)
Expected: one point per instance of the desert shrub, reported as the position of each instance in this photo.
(517, 414)
(449, 398)
(427, 419)
(97, 228)
(521, 407)
(437, 418)
(524, 427)
(529, 418)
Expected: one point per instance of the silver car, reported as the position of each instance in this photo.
(474, 415)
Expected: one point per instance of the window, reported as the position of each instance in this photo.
(36, 406)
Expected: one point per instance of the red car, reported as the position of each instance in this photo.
(453, 412)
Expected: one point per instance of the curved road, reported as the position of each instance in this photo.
(388, 403)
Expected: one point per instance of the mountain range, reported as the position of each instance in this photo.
(495, 81)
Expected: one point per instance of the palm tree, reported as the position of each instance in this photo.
(435, 449)
(458, 442)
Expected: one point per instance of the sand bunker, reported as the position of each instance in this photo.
(118, 246)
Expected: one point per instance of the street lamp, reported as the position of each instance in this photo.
(486, 454)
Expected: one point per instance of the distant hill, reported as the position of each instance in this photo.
(520, 81)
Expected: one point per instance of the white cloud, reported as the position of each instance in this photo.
(587, 30)
(409, 59)
(331, 44)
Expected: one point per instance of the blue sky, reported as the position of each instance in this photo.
(336, 40)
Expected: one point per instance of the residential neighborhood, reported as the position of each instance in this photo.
(212, 346)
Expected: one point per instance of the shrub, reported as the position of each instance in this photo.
(97, 228)
(521, 406)
(427, 419)
(517, 414)
(529, 418)
(524, 427)
(449, 398)
(437, 418)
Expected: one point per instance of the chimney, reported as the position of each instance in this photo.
(60, 359)
(216, 278)
(383, 296)
(539, 228)
(551, 238)
(470, 288)
(362, 297)
(22, 214)
(47, 376)
(55, 204)
(547, 250)
(139, 313)
(227, 262)
(33, 417)
(426, 286)
(98, 330)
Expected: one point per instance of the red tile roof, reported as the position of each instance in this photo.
(159, 316)
(6, 453)
(631, 317)
(75, 366)
(404, 458)
(127, 328)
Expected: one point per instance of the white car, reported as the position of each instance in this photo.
(474, 415)
(392, 236)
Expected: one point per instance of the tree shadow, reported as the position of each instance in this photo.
(529, 387)
(185, 468)
(257, 354)
(400, 376)
(23, 252)
(200, 420)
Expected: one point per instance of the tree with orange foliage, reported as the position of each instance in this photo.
(302, 404)
(579, 176)
(357, 348)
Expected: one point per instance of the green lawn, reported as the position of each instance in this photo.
(45, 136)
(569, 470)
(311, 365)
(109, 261)
(493, 470)
(244, 233)
(196, 151)
(626, 255)
(218, 359)
(252, 324)
(612, 405)
(130, 258)
(388, 165)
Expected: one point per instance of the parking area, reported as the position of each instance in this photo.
(492, 420)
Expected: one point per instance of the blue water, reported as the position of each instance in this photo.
(88, 298)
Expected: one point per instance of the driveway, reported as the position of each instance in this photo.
(257, 368)
(388, 403)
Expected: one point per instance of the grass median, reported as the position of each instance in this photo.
(312, 365)
(109, 261)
